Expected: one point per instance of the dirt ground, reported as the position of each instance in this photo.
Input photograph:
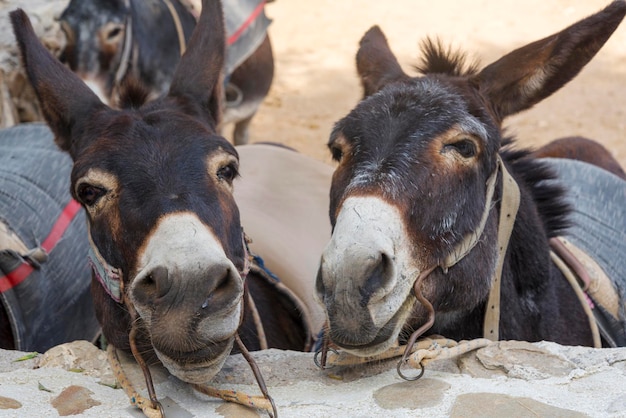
(315, 43)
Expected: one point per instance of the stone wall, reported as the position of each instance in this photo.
(17, 98)
(504, 379)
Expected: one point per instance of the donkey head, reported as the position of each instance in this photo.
(107, 40)
(416, 160)
(156, 182)
(97, 41)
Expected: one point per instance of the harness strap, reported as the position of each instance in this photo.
(593, 279)
(571, 278)
(255, 13)
(256, 318)
(179, 27)
(128, 47)
(195, 7)
(508, 211)
(63, 222)
(471, 239)
(109, 277)
(594, 289)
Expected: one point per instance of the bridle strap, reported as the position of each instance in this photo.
(580, 294)
(508, 211)
(128, 47)
(109, 277)
(179, 27)
(470, 240)
(509, 206)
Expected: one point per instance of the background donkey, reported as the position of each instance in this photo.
(109, 41)
(419, 188)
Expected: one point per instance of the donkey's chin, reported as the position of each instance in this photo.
(370, 350)
(198, 371)
(384, 338)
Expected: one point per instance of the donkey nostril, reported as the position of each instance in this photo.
(155, 284)
(149, 280)
(379, 278)
(160, 278)
(221, 294)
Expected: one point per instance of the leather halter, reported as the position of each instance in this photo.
(509, 206)
(508, 210)
(182, 45)
(127, 48)
(109, 277)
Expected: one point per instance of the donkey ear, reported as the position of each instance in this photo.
(375, 63)
(65, 100)
(198, 75)
(529, 74)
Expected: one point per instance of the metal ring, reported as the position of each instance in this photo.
(233, 95)
(409, 378)
(317, 361)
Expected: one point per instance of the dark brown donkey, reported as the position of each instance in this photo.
(111, 40)
(419, 188)
(156, 182)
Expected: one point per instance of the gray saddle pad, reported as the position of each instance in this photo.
(48, 300)
(246, 27)
(598, 198)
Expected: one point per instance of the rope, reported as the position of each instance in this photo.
(423, 352)
(135, 398)
(258, 402)
(145, 404)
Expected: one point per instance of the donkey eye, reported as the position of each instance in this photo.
(89, 194)
(228, 172)
(336, 152)
(114, 32)
(465, 147)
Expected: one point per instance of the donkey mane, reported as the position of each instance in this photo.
(133, 93)
(541, 182)
(438, 58)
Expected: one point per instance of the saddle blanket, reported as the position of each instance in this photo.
(598, 218)
(44, 275)
(246, 27)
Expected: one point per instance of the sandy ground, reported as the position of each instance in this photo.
(315, 43)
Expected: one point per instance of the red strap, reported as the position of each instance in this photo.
(18, 275)
(257, 11)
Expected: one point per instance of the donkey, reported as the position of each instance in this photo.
(109, 41)
(167, 248)
(419, 207)
(582, 149)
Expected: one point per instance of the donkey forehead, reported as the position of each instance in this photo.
(410, 112)
(94, 13)
(395, 126)
(165, 150)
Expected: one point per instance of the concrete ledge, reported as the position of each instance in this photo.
(503, 379)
